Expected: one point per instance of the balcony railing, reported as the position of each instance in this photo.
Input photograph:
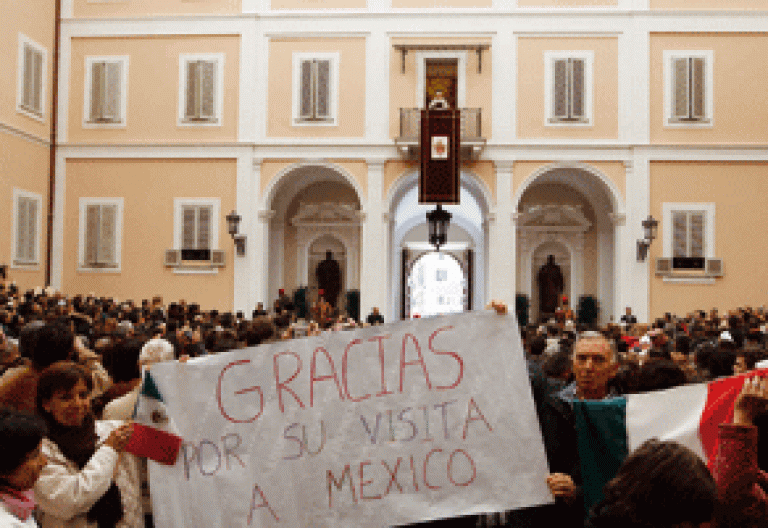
(410, 124)
(472, 139)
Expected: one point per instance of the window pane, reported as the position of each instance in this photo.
(305, 103)
(560, 89)
(577, 100)
(323, 88)
(31, 236)
(680, 88)
(191, 109)
(697, 87)
(188, 228)
(92, 224)
(697, 234)
(112, 95)
(679, 234)
(204, 227)
(22, 229)
(107, 234)
(28, 88)
(208, 69)
(97, 90)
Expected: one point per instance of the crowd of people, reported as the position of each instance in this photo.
(71, 372)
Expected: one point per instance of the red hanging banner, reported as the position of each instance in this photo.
(440, 156)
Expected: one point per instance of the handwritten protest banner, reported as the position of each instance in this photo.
(375, 427)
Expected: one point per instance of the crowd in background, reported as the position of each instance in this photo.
(75, 363)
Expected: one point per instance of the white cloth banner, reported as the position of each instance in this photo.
(370, 428)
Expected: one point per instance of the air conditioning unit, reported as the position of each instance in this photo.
(663, 266)
(172, 258)
(218, 258)
(714, 267)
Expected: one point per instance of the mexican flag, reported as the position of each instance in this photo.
(609, 430)
(154, 434)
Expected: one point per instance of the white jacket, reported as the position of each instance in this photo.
(64, 493)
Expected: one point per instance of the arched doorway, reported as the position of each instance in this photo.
(467, 237)
(436, 284)
(311, 208)
(569, 210)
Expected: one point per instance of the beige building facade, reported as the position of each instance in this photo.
(580, 118)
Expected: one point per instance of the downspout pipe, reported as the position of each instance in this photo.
(52, 149)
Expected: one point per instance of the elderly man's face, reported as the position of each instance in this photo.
(593, 365)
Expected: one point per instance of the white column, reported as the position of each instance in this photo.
(260, 248)
(373, 265)
(249, 114)
(244, 206)
(502, 264)
(377, 80)
(634, 84)
(619, 235)
(635, 280)
(503, 85)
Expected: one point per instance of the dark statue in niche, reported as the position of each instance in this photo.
(328, 274)
(551, 285)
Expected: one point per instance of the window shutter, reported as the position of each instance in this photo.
(21, 230)
(323, 110)
(191, 107)
(207, 72)
(29, 81)
(680, 68)
(188, 225)
(560, 89)
(577, 88)
(107, 232)
(97, 90)
(92, 221)
(112, 92)
(697, 235)
(305, 102)
(37, 81)
(697, 88)
(31, 237)
(204, 228)
(679, 234)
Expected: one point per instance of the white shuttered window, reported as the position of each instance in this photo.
(315, 88)
(196, 227)
(688, 234)
(688, 87)
(106, 90)
(100, 233)
(568, 87)
(196, 223)
(688, 238)
(201, 95)
(27, 219)
(31, 81)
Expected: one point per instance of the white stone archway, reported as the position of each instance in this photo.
(343, 223)
(604, 198)
(478, 198)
